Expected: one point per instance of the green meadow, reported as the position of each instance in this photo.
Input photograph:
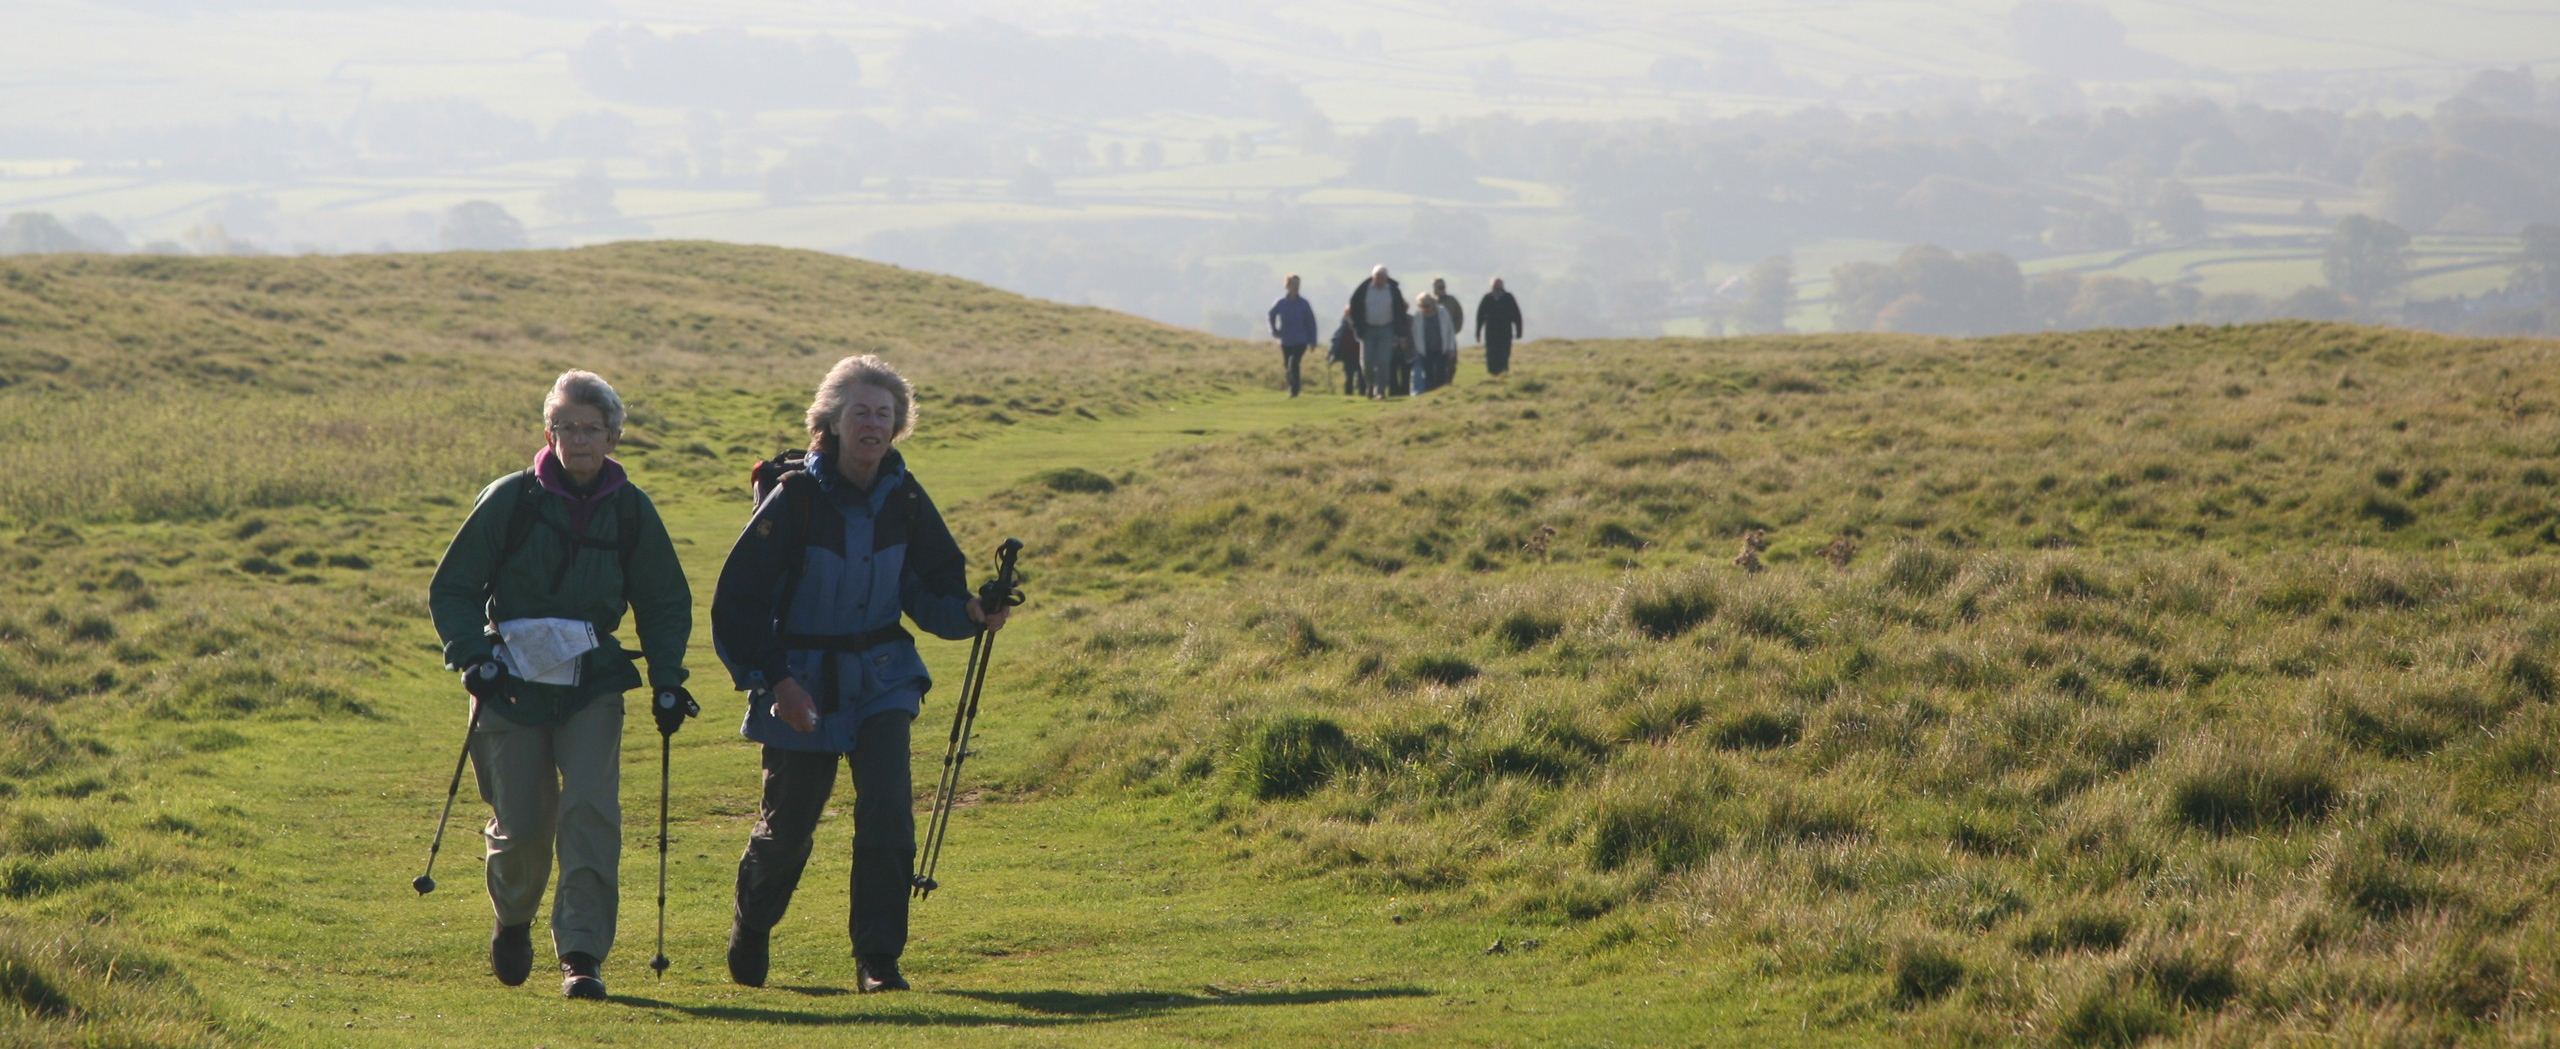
(2185, 687)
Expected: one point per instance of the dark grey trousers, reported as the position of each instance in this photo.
(796, 786)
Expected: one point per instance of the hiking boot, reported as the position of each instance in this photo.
(750, 952)
(578, 977)
(511, 952)
(878, 972)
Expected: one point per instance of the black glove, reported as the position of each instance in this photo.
(488, 681)
(672, 707)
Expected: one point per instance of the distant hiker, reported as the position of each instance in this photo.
(1293, 322)
(1497, 323)
(806, 618)
(1431, 343)
(1454, 317)
(1346, 352)
(1378, 307)
(526, 601)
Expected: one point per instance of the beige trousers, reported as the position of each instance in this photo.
(555, 785)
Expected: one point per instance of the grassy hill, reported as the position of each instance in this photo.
(2189, 686)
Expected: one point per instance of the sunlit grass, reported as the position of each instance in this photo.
(2186, 685)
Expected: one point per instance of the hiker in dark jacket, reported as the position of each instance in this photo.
(1378, 307)
(806, 618)
(1455, 317)
(526, 601)
(1346, 352)
(1293, 322)
(1497, 323)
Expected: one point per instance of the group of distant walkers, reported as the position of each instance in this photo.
(1388, 346)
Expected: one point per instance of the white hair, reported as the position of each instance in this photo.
(865, 370)
(579, 386)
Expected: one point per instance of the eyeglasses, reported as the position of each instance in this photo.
(583, 433)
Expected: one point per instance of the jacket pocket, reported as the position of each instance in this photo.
(896, 668)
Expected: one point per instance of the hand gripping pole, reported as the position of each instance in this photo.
(1004, 592)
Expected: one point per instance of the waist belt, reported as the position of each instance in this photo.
(829, 697)
(853, 642)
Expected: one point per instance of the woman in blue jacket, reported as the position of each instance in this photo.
(806, 619)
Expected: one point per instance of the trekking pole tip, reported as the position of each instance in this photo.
(423, 884)
(659, 963)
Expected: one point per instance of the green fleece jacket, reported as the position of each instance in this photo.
(593, 587)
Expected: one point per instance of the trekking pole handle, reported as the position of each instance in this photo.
(1005, 591)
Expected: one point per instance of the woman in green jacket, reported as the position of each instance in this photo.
(526, 601)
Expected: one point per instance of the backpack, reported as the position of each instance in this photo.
(791, 470)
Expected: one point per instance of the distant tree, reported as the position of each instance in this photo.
(2134, 180)
(2178, 210)
(2090, 227)
(2365, 258)
(1399, 155)
(1769, 293)
(2311, 304)
(1279, 101)
(2501, 90)
(2076, 37)
(478, 225)
(1150, 155)
(2230, 307)
(1215, 150)
(2049, 298)
(1860, 291)
(38, 233)
(2421, 185)
(442, 132)
(2110, 301)
(1494, 78)
(2538, 261)
(585, 197)
(99, 234)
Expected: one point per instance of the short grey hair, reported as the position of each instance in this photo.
(837, 387)
(579, 386)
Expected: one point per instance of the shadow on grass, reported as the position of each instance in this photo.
(1053, 1008)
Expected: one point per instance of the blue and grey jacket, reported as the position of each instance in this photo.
(848, 561)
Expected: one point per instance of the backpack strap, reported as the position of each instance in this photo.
(527, 512)
(795, 485)
(520, 518)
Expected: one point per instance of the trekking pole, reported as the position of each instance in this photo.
(659, 963)
(1002, 593)
(426, 883)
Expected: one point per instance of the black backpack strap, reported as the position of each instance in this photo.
(520, 518)
(795, 486)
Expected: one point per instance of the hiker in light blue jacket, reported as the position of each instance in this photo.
(805, 616)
